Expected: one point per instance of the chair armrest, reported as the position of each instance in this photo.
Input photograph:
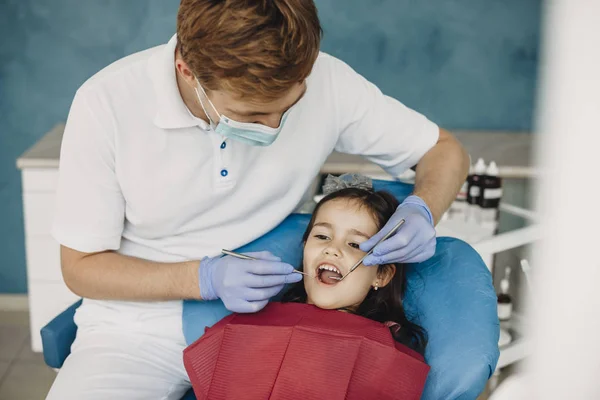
(58, 335)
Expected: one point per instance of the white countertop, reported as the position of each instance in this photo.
(510, 150)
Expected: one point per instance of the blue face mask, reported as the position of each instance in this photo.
(246, 132)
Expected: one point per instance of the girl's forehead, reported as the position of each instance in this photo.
(346, 213)
(343, 206)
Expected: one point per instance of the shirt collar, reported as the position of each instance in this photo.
(171, 111)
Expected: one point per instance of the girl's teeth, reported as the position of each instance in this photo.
(332, 269)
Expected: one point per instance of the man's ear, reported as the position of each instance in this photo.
(184, 71)
(385, 276)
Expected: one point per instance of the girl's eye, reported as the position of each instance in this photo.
(354, 245)
(321, 237)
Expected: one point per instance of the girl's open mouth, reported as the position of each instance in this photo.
(328, 274)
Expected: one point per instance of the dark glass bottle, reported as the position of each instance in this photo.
(491, 188)
(474, 182)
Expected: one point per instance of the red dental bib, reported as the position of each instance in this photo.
(298, 351)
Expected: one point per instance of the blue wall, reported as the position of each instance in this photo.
(468, 64)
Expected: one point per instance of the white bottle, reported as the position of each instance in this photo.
(505, 304)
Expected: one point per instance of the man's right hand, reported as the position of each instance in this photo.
(244, 286)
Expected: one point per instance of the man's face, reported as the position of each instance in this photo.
(241, 110)
(245, 110)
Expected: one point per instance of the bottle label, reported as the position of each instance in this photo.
(490, 194)
(504, 311)
(474, 192)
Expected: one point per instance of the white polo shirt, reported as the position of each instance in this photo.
(141, 175)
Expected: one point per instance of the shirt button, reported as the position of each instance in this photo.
(224, 172)
(223, 145)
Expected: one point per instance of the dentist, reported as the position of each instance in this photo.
(208, 142)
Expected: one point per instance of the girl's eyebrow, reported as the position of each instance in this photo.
(352, 231)
(359, 233)
(325, 224)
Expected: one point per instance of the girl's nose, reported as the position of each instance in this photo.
(332, 251)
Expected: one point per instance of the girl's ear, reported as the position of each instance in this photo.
(385, 275)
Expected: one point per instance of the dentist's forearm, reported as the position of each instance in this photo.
(441, 173)
(112, 276)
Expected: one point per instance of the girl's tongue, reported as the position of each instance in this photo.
(329, 277)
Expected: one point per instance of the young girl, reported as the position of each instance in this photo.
(341, 221)
(329, 339)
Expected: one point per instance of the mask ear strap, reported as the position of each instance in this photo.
(209, 102)
(212, 124)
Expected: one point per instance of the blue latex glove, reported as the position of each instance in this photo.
(244, 286)
(413, 242)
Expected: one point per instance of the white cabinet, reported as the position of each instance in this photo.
(48, 294)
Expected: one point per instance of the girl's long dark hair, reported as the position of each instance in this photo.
(381, 305)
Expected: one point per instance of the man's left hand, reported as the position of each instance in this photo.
(415, 240)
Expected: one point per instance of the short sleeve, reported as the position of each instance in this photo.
(376, 126)
(90, 208)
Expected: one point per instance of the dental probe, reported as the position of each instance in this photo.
(245, 257)
(387, 235)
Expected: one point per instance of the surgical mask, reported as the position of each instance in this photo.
(246, 132)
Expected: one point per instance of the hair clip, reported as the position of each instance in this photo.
(357, 181)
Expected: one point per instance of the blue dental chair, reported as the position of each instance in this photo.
(450, 295)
